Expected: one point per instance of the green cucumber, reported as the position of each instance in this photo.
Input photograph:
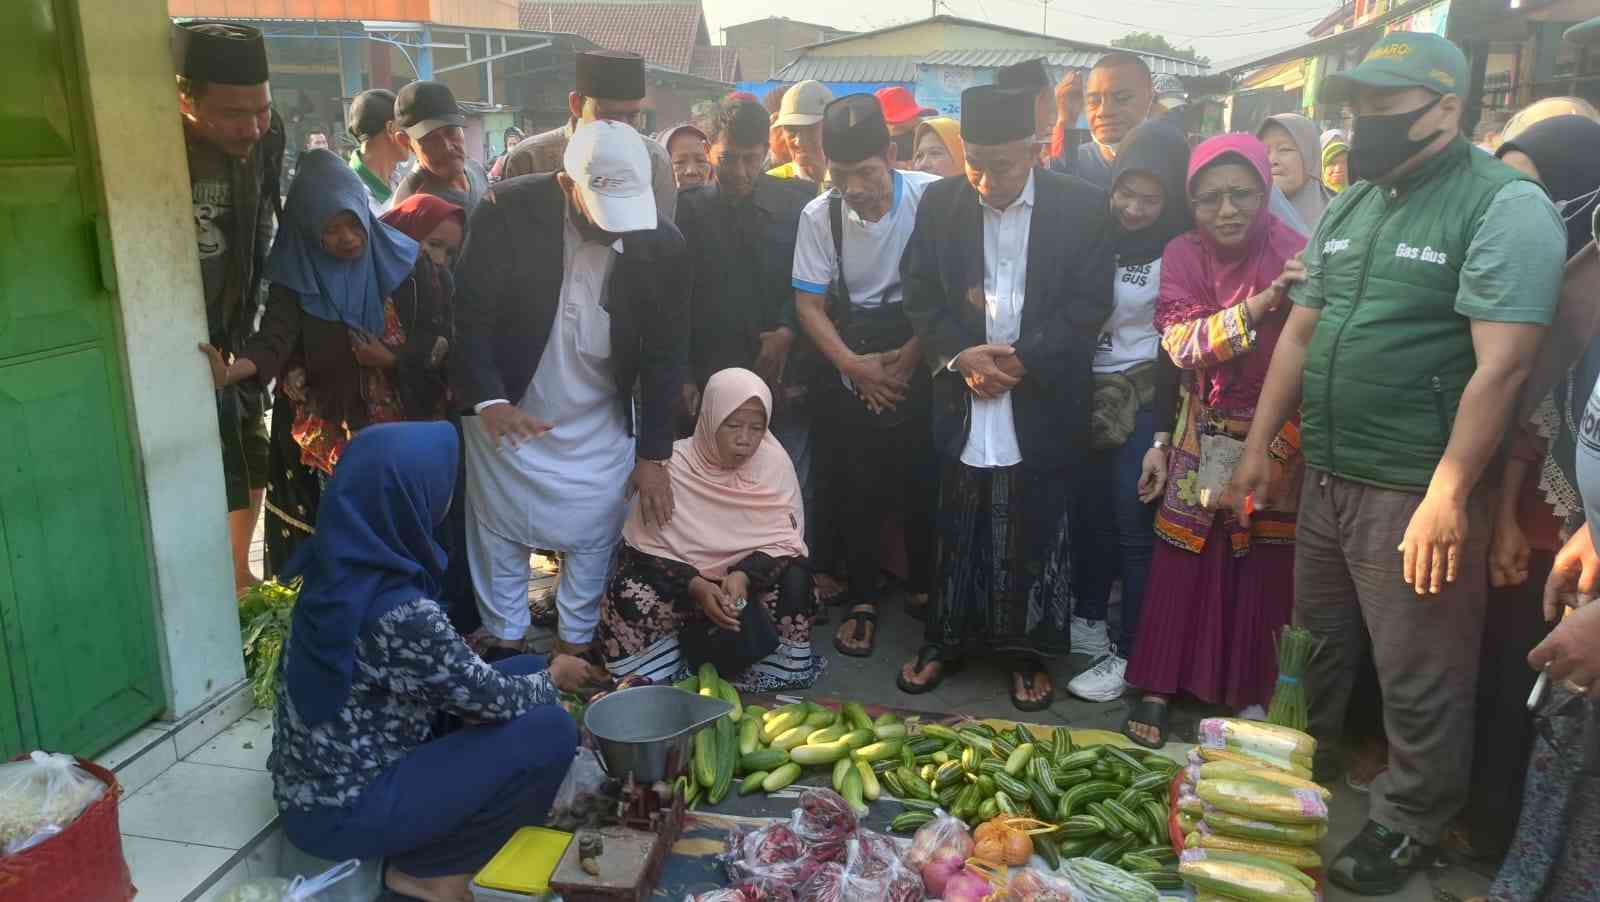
(749, 735)
(763, 759)
(1045, 846)
(1066, 779)
(909, 821)
(1019, 759)
(856, 716)
(1080, 826)
(821, 717)
(752, 782)
(1127, 760)
(870, 788)
(727, 693)
(886, 748)
(852, 791)
(1081, 758)
(781, 777)
(826, 735)
(839, 768)
(793, 738)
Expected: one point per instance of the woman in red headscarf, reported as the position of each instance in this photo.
(1219, 591)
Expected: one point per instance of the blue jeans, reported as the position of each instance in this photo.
(450, 804)
(1114, 532)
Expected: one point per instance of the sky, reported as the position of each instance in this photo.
(1220, 29)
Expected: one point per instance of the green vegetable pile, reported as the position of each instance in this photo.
(769, 748)
(1103, 802)
(1296, 648)
(264, 613)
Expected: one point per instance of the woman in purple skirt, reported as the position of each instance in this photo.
(1218, 591)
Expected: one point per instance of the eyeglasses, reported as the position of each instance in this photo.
(1241, 198)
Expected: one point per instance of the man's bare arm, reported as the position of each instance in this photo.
(1576, 323)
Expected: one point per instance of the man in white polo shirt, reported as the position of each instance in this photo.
(872, 420)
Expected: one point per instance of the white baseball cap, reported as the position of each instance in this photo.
(609, 163)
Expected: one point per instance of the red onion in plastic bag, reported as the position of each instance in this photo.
(749, 891)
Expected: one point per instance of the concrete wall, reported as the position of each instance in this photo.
(133, 112)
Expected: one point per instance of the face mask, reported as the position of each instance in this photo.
(1380, 144)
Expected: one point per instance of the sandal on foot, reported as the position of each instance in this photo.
(858, 619)
(1028, 669)
(927, 654)
(1151, 713)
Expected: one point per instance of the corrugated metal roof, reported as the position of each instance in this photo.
(664, 32)
(1063, 60)
(851, 68)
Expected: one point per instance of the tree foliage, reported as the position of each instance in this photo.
(1150, 42)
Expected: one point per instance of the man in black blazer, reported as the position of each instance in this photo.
(570, 292)
(1007, 282)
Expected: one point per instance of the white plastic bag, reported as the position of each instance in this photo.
(40, 796)
(300, 889)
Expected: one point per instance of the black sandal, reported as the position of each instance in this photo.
(927, 654)
(1029, 667)
(864, 613)
(1151, 713)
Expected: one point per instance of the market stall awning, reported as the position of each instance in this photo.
(1369, 31)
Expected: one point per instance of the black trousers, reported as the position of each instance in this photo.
(878, 472)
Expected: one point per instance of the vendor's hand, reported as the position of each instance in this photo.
(773, 359)
(1247, 491)
(506, 422)
(736, 587)
(441, 348)
(1572, 650)
(1431, 549)
(569, 673)
(877, 388)
(979, 367)
(1152, 475)
(1508, 554)
(1574, 576)
(219, 367)
(654, 486)
(1069, 100)
(370, 352)
(714, 603)
(293, 384)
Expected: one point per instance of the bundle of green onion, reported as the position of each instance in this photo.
(1296, 648)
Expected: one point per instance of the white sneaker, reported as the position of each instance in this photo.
(1103, 682)
(1089, 637)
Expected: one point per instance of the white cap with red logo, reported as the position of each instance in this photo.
(609, 164)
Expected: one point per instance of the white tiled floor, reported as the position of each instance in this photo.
(167, 871)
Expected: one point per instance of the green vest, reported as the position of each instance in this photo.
(1390, 356)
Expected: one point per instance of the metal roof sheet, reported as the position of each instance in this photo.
(851, 68)
(1060, 60)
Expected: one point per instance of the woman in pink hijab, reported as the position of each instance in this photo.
(726, 580)
(1218, 591)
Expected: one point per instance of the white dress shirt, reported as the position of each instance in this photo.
(563, 490)
(992, 441)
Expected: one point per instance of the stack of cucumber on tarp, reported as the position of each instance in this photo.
(769, 749)
(1250, 814)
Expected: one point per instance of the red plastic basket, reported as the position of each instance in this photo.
(83, 863)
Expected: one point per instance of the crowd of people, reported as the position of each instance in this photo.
(743, 370)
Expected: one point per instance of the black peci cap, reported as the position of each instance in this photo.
(994, 115)
(853, 128)
(1028, 75)
(611, 74)
(424, 106)
(370, 112)
(219, 53)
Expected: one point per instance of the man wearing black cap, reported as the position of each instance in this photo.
(1008, 280)
(381, 145)
(740, 231)
(435, 131)
(1031, 77)
(848, 298)
(611, 87)
(235, 145)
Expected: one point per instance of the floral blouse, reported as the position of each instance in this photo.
(409, 666)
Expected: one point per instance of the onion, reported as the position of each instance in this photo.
(966, 886)
(937, 872)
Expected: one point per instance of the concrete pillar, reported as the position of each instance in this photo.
(133, 107)
(425, 54)
(353, 64)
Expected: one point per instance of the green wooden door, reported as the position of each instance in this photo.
(78, 668)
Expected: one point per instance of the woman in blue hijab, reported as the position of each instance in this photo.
(358, 768)
(355, 332)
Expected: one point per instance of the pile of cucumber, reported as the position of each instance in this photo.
(769, 749)
(1106, 803)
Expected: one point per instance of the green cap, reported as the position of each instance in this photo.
(1584, 32)
(1404, 59)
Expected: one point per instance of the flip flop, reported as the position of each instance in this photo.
(1029, 668)
(858, 631)
(928, 654)
(1150, 713)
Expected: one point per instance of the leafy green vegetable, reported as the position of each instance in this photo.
(264, 614)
